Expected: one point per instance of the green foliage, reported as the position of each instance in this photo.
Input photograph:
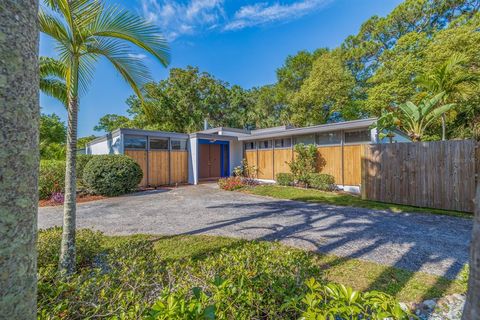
(285, 179)
(245, 170)
(51, 178)
(52, 137)
(82, 160)
(304, 163)
(110, 122)
(334, 301)
(112, 175)
(235, 183)
(82, 142)
(321, 181)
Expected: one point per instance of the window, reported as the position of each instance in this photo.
(306, 139)
(179, 144)
(283, 143)
(326, 138)
(358, 136)
(158, 144)
(135, 142)
(250, 145)
(265, 144)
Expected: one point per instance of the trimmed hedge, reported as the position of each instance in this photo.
(112, 175)
(51, 178)
(321, 181)
(82, 160)
(285, 179)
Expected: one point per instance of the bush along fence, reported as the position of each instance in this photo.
(439, 174)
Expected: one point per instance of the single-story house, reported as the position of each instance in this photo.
(171, 158)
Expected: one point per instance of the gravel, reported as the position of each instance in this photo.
(417, 242)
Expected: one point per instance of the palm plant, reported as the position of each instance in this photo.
(449, 78)
(415, 119)
(84, 31)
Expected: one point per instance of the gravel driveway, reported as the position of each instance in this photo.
(417, 242)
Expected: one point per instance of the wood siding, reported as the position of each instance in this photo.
(352, 164)
(251, 158)
(265, 164)
(179, 166)
(158, 168)
(426, 174)
(329, 161)
(281, 159)
(140, 156)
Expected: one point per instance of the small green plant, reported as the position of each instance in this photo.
(321, 181)
(304, 163)
(245, 170)
(51, 178)
(112, 175)
(285, 179)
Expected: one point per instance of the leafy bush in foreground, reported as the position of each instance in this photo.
(112, 175)
(285, 179)
(321, 181)
(82, 160)
(127, 279)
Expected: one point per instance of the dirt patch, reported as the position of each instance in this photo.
(80, 199)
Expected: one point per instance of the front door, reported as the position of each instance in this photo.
(209, 164)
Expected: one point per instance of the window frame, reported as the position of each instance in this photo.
(180, 140)
(158, 138)
(339, 143)
(125, 137)
(283, 142)
(250, 142)
(345, 142)
(304, 135)
(259, 142)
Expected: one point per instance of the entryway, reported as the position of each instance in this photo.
(213, 159)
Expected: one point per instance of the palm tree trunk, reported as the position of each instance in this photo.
(444, 127)
(472, 305)
(19, 114)
(67, 250)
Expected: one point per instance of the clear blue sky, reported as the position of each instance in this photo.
(241, 42)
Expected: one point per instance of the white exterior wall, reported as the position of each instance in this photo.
(110, 146)
(236, 154)
(396, 138)
(193, 161)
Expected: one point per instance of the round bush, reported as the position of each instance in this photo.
(82, 160)
(112, 175)
(285, 179)
(51, 178)
(321, 181)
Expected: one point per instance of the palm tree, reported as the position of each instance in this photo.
(449, 78)
(84, 31)
(472, 304)
(416, 119)
(52, 78)
(19, 155)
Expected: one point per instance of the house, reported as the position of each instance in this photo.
(171, 158)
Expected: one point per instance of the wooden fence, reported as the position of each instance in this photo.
(438, 174)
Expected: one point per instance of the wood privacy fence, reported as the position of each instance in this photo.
(161, 167)
(438, 174)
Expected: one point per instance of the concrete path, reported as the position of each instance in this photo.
(417, 242)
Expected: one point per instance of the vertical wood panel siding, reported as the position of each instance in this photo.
(329, 161)
(251, 157)
(281, 159)
(158, 167)
(140, 156)
(179, 166)
(265, 164)
(352, 163)
(426, 174)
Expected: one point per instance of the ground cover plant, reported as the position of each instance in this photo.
(342, 199)
(195, 277)
(236, 183)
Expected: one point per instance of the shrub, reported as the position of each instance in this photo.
(245, 170)
(285, 179)
(112, 175)
(51, 178)
(304, 163)
(321, 181)
(231, 183)
(82, 160)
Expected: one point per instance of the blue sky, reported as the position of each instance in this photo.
(241, 42)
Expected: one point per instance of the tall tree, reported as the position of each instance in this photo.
(472, 304)
(452, 79)
(84, 31)
(52, 137)
(19, 113)
(110, 122)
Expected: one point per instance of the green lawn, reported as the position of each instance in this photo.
(361, 275)
(341, 199)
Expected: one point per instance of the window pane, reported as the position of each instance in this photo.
(329, 138)
(179, 144)
(250, 145)
(135, 142)
(306, 139)
(158, 144)
(283, 143)
(265, 144)
(358, 136)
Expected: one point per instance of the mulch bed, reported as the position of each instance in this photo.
(80, 199)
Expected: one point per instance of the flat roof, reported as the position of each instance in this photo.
(138, 132)
(345, 125)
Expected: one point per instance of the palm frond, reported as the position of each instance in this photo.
(49, 67)
(53, 27)
(121, 24)
(54, 88)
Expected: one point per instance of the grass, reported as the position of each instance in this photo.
(405, 285)
(342, 199)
